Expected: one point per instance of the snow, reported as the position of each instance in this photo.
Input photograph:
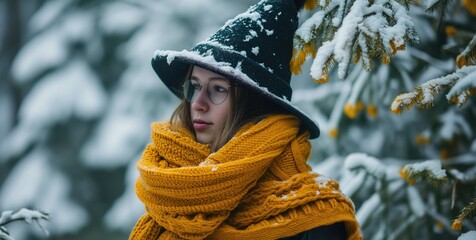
(29, 176)
(402, 100)
(416, 203)
(432, 166)
(453, 124)
(33, 182)
(470, 235)
(314, 22)
(31, 216)
(73, 91)
(368, 208)
(115, 141)
(362, 161)
(66, 215)
(27, 215)
(253, 16)
(45, 51)
(255, 50)
(113, 20)
(343, 36)
(361, 19)
(467, 80)
(47, 14)
(350, 187)
(268, 7)
(322, 180)
(126, 209)
(433, 87)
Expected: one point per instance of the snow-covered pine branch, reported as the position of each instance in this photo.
(462, 84)
(468, 55)
(466, 212)
(27, 215)
(430, 169)
(366, 30)
(362, 161)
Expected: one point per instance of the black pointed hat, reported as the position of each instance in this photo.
(253, 49)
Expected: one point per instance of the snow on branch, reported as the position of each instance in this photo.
(27, 215)
(341, 31)
(470, 235)
(462, 84)
(430, 169)
(468, 55)
(369, 164)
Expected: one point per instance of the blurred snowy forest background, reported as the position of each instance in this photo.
(78, 94)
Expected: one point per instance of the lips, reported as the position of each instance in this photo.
(200, 124)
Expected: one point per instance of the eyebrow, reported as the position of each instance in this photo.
(212, 78)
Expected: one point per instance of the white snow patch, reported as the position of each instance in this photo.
(416, 203)
(24, 182)
(255, 50)
(115, 141)
(66, 215)
(113, 20)
(470, 235)
(368, 208)
(72, 91)
(322, 180)
(432, 166)
(45, 51)
(126, 209)
(268, 7)
(48, 12)
(361, 160)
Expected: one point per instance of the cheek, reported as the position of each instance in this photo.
(223, 112)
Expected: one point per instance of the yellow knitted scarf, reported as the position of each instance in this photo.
(257, 186)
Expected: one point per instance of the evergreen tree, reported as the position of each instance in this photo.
(381, 49)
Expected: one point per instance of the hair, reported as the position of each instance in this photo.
(246, 107)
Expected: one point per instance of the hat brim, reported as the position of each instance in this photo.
(172, 67)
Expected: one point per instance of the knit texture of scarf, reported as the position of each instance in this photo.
(257, 186)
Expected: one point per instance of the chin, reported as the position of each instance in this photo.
(203, 140)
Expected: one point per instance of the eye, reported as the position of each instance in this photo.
(219, 86)
(220, 89)
(195, 86)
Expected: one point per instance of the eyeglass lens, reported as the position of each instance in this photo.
(217, 90)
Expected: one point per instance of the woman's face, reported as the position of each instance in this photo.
(210, 104)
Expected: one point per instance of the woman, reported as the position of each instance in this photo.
(231, 162)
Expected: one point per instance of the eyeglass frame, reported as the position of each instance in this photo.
(230, 85)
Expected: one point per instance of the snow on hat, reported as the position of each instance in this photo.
(253, 49)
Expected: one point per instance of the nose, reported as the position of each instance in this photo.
(201, 103)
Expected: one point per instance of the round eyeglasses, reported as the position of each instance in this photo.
(217, 90)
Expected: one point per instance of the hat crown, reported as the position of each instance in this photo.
(263, 36)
